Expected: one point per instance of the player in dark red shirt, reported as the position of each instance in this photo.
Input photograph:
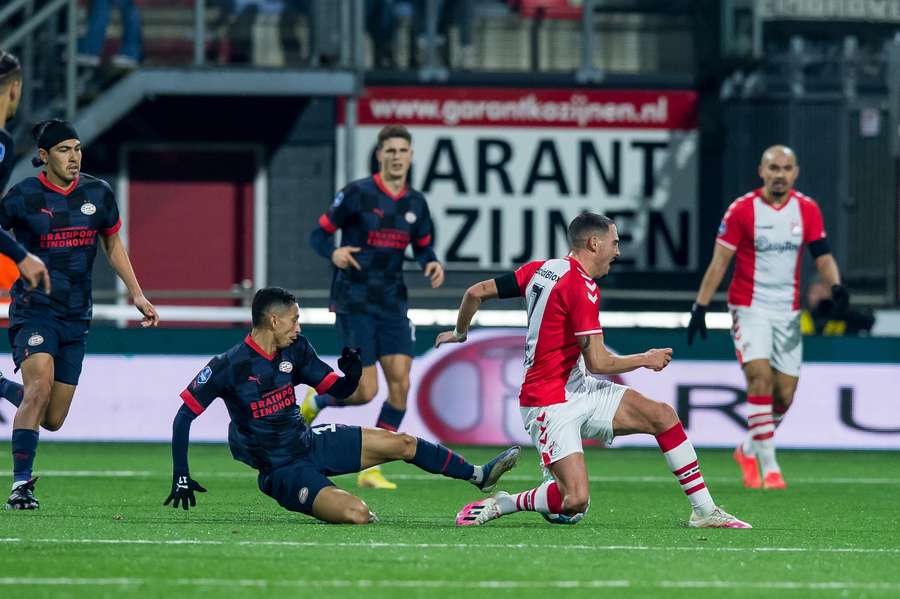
(561, 402)
(59, 216)
(378, 216)
(256, 380)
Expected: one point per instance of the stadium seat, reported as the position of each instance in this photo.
(547, 9)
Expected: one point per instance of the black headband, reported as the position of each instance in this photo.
(51, 134)
(55, 132)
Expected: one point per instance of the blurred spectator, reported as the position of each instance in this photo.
(380, 23)
(822, 318)
(449, 12)
(324, 26)
(242, 16)
(91, 45)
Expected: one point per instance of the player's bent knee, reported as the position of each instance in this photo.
(38, 401)
(53, 424)
(665, 417)
(408, 445)
(357, 513)
(576, 503)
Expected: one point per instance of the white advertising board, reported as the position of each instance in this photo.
(467, 394)
(505, 170)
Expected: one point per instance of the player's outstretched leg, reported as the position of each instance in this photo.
(11, 391)
(380, 446)
(637, 414)
(563, 499)
(544, 499)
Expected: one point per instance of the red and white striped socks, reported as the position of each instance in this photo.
(761, 424)
(778, 413)
(544, 499)
(682, 461)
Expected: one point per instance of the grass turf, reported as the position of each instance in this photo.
(102, 531)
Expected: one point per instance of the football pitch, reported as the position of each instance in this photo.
(102, 532)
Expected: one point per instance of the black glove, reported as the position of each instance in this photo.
(349, 359)
(841, 298)
(697, 323)
(183, 487)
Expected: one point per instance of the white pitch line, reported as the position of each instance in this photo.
(463, 546)
(450, 584)
(779, 585)
(428, 477)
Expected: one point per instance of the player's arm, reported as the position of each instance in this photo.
(351, 365)
(118, 259)
(423, 249)
(475, 295)
(311, 370)
(321, 240)
(183, 486)
(32, 268)
(828, 269)
(11, 248)
(817, 242)
(202, 391)
(715, 272)
(599, 360)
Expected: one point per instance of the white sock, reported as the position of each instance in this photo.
(477, 475)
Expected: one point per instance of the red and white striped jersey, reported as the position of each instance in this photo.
(563, 301)
(768, 244)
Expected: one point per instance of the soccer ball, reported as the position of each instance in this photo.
(563, 519)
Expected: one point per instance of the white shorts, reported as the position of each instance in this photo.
(768, 336)
(588, 412)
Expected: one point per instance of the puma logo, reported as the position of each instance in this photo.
(47, 211)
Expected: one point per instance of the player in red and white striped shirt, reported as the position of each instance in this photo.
(560, 402)
(766, 230)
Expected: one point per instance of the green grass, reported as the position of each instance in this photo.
(106, 534)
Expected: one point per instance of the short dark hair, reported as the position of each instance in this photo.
(390, 131)
(586, 224)
(10, 68)
(267, 297)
